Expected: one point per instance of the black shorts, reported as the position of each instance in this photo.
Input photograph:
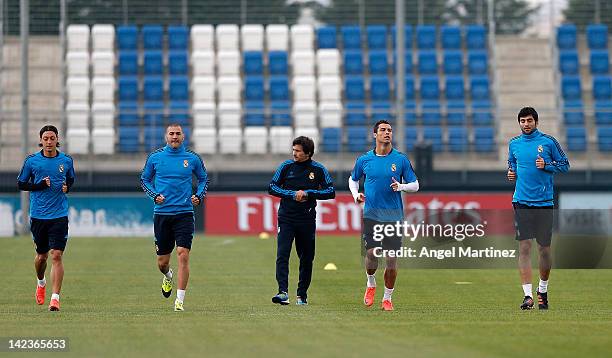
(533, 222)
(173, 229)
(49, 234)
(373, 236)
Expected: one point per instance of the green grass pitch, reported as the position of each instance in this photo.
(112, 306)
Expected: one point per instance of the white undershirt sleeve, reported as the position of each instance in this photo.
(409, 187)
(354, 188)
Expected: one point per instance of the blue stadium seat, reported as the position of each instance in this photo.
(355, 114)
(277, 62)
(407, 62)
(354, 88)
(127, 38)
(573, 112)
(358, 139)
(454, 88)
(576, 139)
(326, 37)
(603, 112)
(451, 37)
(128, 114)
(153, 63)
(568, 62)
(428, 63)
(179, 113)
(377, 36)
(153, 88)
(128, 88)
(453, 63)
(597, 36)
(484, 139)
(280, 113)
(152, 36)
(381, 110)
(433, 135)
(351, 37)
(254, 88)
(254, 114)
(430, 88)
(279, 88)
(602, 88)
(154, 137)
(128, 63)
(478, 63)
(178, 62)
(604, 139)
(411, 136)
(378, 63)
(153, 113)
(331, 139)
(566, 37)
(178, 88)
(600, 62)
(457, 139)
(178, 38)
(571, 88)
(407, 36)
(409, 88)
(430, 113)
(476, 37)
(379, 88)
(253, 63)
(481, 113)
(455, 112)
(353, 62)
(129, 139)
(426, 37)
(410, 116)
(479, 87)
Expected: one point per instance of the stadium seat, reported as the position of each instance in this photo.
(153, 88)
(381, 110)
(573, 112)
(77, 64)
(566, 37)
(451, 37)
(329, 88)
(433, 136)
(103, 115)
(78, 89)
(351, 37)
(354, 89)
(481, 113)
(602, 88)
(128, 89)
(252, 37)
(229, 114)
(178, 38)
(229, 88)
(454, 88)
(178, 112)
(455, 112)
(103, 64)
(426, 37)
(409, 88)
(203, 89)
(103, 38)
(253, 63)
(228, 63)
(457, 139)
(453, 63)
(178, 63)
(304, 89)
(353, 62)
(178, 88)
(254, 113)
(105, 140)
(600, 62)
(279, 88)
(379, 88)
(411, 138)
(378, 63)
(226, 36)
(302, 37)
(153, 63)
(326, 37)
(604, 139)
(231, 142)
(358, 139)
(205, 140)
(476, 37)
(152, 37)
(568, 62)
(478, 63)
(430, 88)
(129, 139)
(127, 38)
(257, 140)
(576, 139)
(355, 114)
(377, 37)
(331, 140)
(410, 117)
(128, 114)
(280, 140)
(153, 137)
(303, 63)
(204, 114)
(330, 114)
(277, 37)
(603, 112)
(571, 88)
(597, 36)
(128, 63)
(77, 115)
(408, 69)
(431, 113)
(202, 38)
(484, 139)
(277, 63)
(407, 36)
(77, 37)
(103, 89)
(428, 63)
(203, 63)
(254, 88)
(479, 87)
(305, 114)
(328, 62)
(153, 114)
(280, 113)
(78, 140)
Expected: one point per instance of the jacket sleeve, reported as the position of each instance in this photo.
(326, 190)
(511, 159)
(146, 177)
(559, 162)
(275, 187)
(24, 180)
(202, 176)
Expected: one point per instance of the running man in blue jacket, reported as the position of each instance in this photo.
(533, 159)
(166, 179)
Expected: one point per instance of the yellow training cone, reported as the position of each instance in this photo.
(264, 235)
(330, 267)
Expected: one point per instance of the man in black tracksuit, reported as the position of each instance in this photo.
(299, 183)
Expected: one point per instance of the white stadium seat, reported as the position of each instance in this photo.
(77, 63)
(305, 114)
(229, 88)
(330, 114)
(228, 63)
(204, 140)
(202, 38)
(280, 140)
(78, 37)
(103, 114)
(227, 37)
(78, 89)
(310, 132)
(103, 63)
(302, 37)
(230, 140)
(277, 37)
(252, 37)
(203, 89)
(78, 140)
(304, 89)
(229, 114)
(103, 140)
(256, 140)
(328, 62)
(303, 63)
(103, 37)
(103, 89)
(204, 115)
(77, 115)
(203, 63)
(329, 88)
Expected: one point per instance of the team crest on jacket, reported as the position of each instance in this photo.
(185, 163)
(393, 167)
(61, 168)
(540, 149)
(311, 176)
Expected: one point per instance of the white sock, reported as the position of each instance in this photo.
(527, 289)
(543, 286)
(371, 280)
(55, 296)
(388, 293)
(180, 295)
(168, 274)
(42, 282)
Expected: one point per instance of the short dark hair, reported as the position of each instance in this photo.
(173, 125)
(526, 112)
(306, 143)
(382, 121)
(48, 128)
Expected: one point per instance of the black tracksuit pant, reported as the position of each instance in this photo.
(304, 235)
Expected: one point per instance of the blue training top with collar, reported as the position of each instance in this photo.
(534, 187)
